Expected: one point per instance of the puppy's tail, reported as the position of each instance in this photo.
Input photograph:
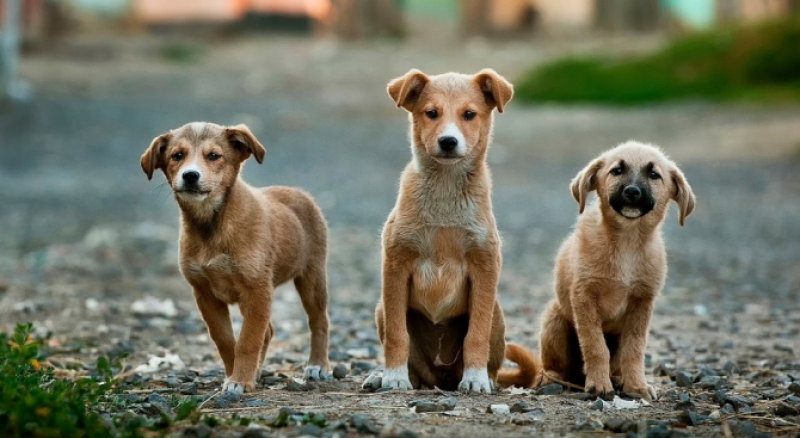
(527, 371)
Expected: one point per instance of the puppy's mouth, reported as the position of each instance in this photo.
(448, 158)
(192, 192)
(632, 211)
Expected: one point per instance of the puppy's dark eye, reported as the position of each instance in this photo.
(469, 115)
(177, 156)
(432, 114)
(617, 171)
(654, 175)
(213, 156)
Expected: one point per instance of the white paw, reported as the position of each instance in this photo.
(396, 378)
(475, 381)
(315, 372)
(236, 388)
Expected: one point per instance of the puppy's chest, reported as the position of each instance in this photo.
(220, 273)
(440, 273)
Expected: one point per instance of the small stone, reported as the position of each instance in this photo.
(187, 389)
(273, 380)
(308, 430)
(363, 424)
(784, 348)
(743, 428)
(293, 386)
(710, 382)
(688, 418)
(706, 370)
(730, 368)
(621, 425)
(255, 403)
(498, 409)
(340, 371)
(715, 415)
(684, 379)
(794, 387)
(521, 407)
(684, 397)
(728, 409)
(550, 389)
(361, 366)
(739, 401)
(685, 406)
(443, 405)
(786, 410)
(727, 345)
(406, 434)
(599, 405)
(338, 356)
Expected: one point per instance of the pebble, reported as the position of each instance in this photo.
(712, 382)
(688, 418)
(498, 409)
(308, 430)
(443, 405)
(187, 389)
(255, 403)
(794, 387)
(599, 404)
(338, 356)
(293, 386)
(340, 371)
(621, 425)
(684, 379)
(550, 389)
(589, 424)
(522, 407)
(361, 366)
(786, 410)
(363, 424)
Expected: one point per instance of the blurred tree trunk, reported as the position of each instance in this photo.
(619, 15)
(361, 19)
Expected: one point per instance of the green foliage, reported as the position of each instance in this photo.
(35, 403)
(755, 62)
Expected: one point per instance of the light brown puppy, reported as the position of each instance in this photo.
(610, 270)
(237, 243)
(438, 318)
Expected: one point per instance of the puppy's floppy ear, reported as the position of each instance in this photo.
(245, 142)
(683, 194)
(153, 157)
(406, 89)
(585, 182)
(495, 88)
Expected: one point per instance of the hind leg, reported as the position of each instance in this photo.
(313, 290)
(555, 345)
(262, 356)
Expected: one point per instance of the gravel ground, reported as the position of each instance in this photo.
(89, 245)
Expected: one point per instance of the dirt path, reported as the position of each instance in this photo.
(86, 235)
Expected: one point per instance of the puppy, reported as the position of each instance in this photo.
(438, 318)
(237, 243)
(609, 271)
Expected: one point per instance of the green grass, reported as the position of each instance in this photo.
(757, 63)
(35, 403)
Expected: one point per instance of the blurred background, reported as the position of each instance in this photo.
(87, 84)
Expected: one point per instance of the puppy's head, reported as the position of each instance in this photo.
(635, 181)
(451, 114)
(201, 160)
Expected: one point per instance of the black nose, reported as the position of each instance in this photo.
(447, 143)
(191, 176)
(632, 193)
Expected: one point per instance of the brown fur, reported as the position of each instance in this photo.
(609, 272)
(237, 243)
(438, 314)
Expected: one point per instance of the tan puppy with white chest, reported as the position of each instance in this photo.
(438, 318)
(237, 243)
(610, 270)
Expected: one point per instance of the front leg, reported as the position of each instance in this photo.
(632, 347)
(255, 304)
(589, 327)
(395, 277)
(484, 268)
(217, 317)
